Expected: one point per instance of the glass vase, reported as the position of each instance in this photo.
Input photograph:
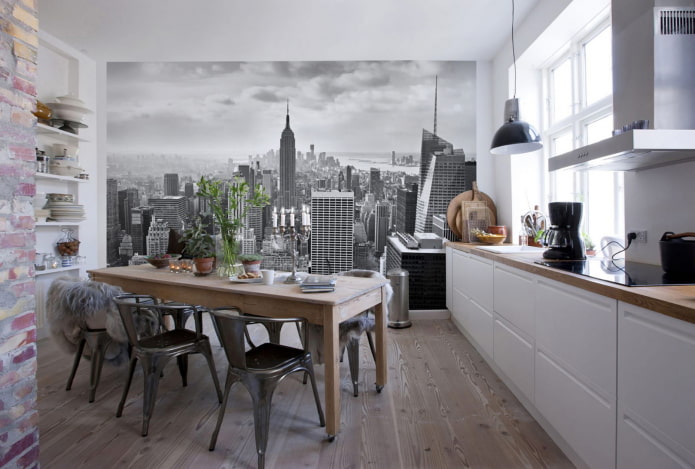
(228, 264)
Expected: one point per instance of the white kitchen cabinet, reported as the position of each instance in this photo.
(449, 277)
(513, 341)
(472, 297)
(575, 368)
(656, 390)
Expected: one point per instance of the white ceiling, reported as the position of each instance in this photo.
(230, 30)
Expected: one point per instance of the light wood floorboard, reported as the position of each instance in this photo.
(443, 407)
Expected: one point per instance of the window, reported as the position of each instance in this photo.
(579, 86)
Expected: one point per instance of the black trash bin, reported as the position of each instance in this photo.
(399, 307)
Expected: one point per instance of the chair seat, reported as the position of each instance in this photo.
(169, 339)
(271, 355)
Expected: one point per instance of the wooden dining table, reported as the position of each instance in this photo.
(352, 296)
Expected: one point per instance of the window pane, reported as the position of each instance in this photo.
(562, 143)
(564, 180)
(600, 129)
(598, 65)
(561, 85)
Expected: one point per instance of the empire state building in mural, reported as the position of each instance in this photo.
(288, 155)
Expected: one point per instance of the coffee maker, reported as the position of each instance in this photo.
(562, 238)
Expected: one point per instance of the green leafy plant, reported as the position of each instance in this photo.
(588, 243)
(198, 242)
(538, 238)
(250, 257)
(230, 216)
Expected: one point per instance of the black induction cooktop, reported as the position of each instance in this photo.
(631, 274)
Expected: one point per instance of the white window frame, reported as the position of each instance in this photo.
(580, 117)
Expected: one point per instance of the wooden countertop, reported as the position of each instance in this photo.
(675, 301)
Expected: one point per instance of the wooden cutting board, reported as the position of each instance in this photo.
(453, 213)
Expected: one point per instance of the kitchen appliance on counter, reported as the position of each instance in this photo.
(627, 273)
(563, 238)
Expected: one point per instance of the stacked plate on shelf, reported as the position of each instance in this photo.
(63, 208)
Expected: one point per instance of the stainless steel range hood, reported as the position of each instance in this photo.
(632, 150)
(653, 79)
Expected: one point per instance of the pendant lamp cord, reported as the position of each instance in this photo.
(513, 49)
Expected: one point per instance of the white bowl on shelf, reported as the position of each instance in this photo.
(69, 112)
(71, 99)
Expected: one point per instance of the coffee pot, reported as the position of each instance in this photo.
(563, 238)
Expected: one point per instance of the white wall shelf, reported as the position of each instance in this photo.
(57, 223)
(58, 177)
(43, 129)
(56, 271)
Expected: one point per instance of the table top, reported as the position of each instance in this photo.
(346, 288)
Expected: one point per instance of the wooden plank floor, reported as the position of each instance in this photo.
(443, 407)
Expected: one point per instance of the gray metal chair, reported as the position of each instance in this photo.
(155, 351)
(98, 341)
(259, 369)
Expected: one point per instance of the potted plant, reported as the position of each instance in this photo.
(589, 245)
(199, 245)
(252, 262)
(229, 207)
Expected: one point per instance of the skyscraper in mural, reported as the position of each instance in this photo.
(288, 155)
(332, 229)
(171, 184)
(444, 178)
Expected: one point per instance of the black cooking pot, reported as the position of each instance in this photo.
(677, 254)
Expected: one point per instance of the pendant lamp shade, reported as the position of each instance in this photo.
(515, 136)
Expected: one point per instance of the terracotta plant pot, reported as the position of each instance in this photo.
(204, 265)
(252, 266)
(498, 230)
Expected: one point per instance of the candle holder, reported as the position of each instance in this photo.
(292, 235)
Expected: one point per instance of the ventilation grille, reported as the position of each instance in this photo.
(677, 22)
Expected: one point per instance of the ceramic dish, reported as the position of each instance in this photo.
(491, 238)
(245, 280)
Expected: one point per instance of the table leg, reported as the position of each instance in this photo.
(332, 378)
(381, 362)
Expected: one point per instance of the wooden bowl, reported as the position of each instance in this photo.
(492, 238)
(162, 262)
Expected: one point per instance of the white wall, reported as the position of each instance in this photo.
(658, 200)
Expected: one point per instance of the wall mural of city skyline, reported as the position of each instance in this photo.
(208, 118)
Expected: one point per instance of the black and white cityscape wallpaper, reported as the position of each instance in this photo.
(392, 135)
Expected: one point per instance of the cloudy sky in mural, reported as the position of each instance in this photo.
(239, 108)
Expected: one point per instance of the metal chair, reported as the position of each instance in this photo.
(156, 350)
(259, 369)
(98, 341)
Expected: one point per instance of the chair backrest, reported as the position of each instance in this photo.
(131, 307)
(231, 324)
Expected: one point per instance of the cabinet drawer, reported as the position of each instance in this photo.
(514, 356)
(515, 297)
(578, 329)
(478, 280)
(585, 420)
(479, 326)
(656, 383)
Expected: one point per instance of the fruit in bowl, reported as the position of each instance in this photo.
(488, 238)
(162, 260)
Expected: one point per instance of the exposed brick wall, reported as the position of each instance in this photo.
(19, 435)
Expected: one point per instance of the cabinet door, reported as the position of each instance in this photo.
(477, 286)
(513, 354)
(459, 300)
(515, 297)
(656, 389)
(478, 280)
(575, 368)
(449, 277)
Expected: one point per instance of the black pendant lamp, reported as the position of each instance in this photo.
(515, 136)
